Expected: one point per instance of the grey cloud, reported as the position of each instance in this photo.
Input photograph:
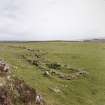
(52, 19)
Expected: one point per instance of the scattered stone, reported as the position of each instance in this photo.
(62, 76)
(15, 67)
(82, 72)
(46, 73)
(73, 76)
(56, 90)
(68, 78)
(54, 65)
(64, 86)
(39, 100)
(4, 68)
(53, 72)
(30, 49)
(8, 77)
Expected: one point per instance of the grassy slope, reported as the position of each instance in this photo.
(86, 91)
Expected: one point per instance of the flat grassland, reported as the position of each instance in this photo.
(90, 56)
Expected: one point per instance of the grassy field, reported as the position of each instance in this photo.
(83, 91)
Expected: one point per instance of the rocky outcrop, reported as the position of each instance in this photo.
(15, 91)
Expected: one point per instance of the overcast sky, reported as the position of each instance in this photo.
(51, 19)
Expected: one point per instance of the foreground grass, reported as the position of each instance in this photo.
(84, 91)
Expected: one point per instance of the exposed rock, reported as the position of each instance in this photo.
(62, 76)
(74, 75)
(14, 90)
(54, 65)
(2, 81)
(53, 72)
(39, 100)
(46, 73)
(30, 49)
(4, 68)
(5, 97)
(82, 72)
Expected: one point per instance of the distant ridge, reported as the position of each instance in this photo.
(44, 41)
(40, 41)
(95, 40)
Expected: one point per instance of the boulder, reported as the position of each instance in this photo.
(4, 68)
(46, 73)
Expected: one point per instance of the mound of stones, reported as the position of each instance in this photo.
(38, 58)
